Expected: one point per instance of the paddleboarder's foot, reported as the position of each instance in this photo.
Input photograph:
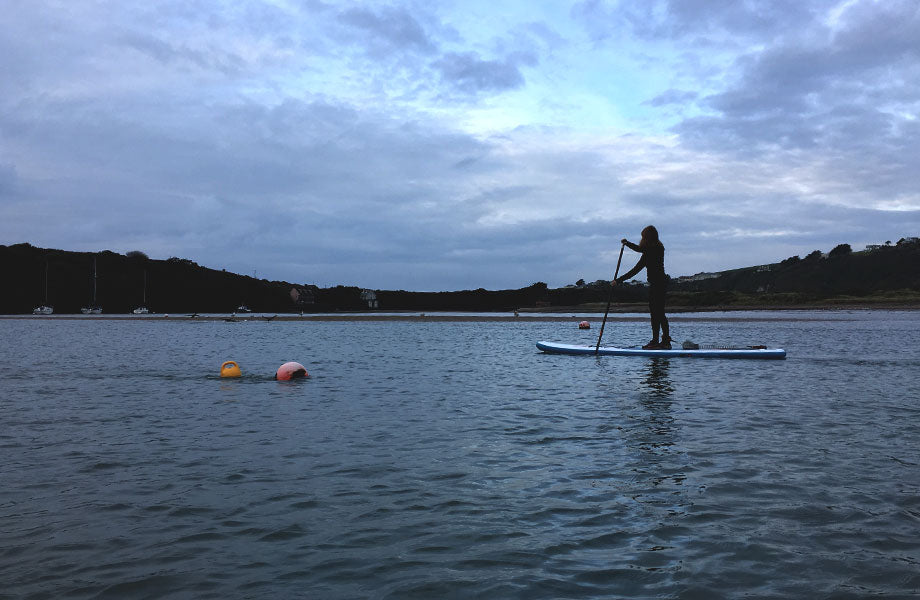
(653, 345)
(665, 344)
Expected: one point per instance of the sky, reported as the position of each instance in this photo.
(439, 145)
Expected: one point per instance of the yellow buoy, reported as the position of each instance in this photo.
(230, 369)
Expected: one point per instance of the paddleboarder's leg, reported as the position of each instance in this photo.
(656, 300)
(656, 324)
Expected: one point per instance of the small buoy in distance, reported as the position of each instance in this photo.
(584, 325)
(230, 369)
(291, 370)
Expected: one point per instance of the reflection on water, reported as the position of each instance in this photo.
(657, 431)
(655, 399)
(656, 380)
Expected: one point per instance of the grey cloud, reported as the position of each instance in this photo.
(858, 59)
(697, 20)
(317, 174)
(523, 45)
(181, 55)
(673, 97)
(759, 18)
(391, 27)
(466, 162)
(396, 36)
(468, 73)
(413, 47)
(847, 100)
(11, 191)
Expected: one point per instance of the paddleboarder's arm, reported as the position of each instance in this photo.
(639, 266)
(631, 246)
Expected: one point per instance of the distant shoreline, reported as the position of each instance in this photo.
(590, 312)
(554, 314)
(677, 309)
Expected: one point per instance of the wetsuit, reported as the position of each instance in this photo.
(652, 261)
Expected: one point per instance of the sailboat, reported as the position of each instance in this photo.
(142, 309)
(44, 309)
(92, 309)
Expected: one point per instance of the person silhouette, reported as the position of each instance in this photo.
(652, 260)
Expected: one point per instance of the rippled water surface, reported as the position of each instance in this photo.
(453, 460)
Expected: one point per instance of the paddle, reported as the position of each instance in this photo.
(609, 299)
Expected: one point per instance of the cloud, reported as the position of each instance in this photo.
(722, 21)
(390, 29)
(468, 73)
(673, 97)
(8, 180)
(438, 146)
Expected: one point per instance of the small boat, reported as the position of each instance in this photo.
(44, 309)
(242, 308)
(699, 352)
(92, 309)
(142, 309)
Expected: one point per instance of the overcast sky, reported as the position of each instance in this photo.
(443, 145)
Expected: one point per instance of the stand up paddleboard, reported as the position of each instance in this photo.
(734, 352)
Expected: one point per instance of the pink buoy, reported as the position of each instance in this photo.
(291, 370)
(584, 325)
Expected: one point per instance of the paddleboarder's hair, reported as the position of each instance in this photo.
(649, 236)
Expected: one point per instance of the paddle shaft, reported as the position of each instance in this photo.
(609, 299)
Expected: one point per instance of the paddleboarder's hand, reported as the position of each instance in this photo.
(624, 241)
(613, 283)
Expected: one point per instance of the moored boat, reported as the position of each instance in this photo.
(44, 309)
(142, 309)
(92, 309)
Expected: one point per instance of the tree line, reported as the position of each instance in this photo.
(177, 285)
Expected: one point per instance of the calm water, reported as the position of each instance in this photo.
(452, 460)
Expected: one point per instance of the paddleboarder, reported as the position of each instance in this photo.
(652, 261)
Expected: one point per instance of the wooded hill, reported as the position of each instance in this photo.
(835, 275)
(179, 285)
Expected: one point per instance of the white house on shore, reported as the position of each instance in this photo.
(370, 296)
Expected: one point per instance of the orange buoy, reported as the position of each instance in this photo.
(291, 370)
(230, 369)
(584, 325)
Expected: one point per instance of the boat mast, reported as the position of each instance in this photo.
(94, 283)
(46, 284)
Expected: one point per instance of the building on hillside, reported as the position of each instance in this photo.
(370, 296)
(697, 277)
(304, 295)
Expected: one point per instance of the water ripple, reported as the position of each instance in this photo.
(450, 460)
